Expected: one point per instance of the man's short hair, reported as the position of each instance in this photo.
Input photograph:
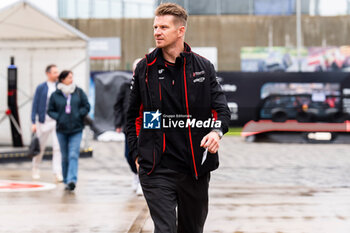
(173, 9)
(48, 68)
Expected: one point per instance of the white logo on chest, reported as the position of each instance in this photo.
(199, 80)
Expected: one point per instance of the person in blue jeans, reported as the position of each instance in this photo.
(69, 106)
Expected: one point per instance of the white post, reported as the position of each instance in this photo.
(298, 32)
(76, 9)
(218, 7)
(186, 5)
(109, 9)
(251, 7)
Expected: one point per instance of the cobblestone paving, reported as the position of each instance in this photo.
(325, 165)
(102, 202)
(259, 188)
(279, 188)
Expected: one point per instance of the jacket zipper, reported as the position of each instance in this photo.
(160, 97)
(189, 127)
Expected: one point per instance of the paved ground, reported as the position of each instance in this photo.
(259, 188)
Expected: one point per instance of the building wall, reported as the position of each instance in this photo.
(228, 33)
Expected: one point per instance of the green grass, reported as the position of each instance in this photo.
(234, 131)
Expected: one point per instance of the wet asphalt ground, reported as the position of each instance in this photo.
(259, 188)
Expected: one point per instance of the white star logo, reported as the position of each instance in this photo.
(156, 115)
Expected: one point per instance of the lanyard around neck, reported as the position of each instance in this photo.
(68, 107)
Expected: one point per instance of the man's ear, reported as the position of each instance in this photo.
(182, 31)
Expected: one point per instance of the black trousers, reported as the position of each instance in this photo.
(165, 189)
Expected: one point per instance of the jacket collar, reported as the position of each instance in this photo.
(154, 56)
(155, 59)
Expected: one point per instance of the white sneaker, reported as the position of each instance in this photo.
(139, 191)
(36, 174)
(135, 182)
(59, 178)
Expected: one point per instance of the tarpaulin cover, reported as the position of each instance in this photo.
(107, 86)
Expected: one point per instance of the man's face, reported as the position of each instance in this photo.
(166, 31)
(53, 74)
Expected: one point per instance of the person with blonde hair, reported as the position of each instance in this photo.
(176, 118)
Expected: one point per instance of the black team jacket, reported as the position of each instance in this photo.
(204, 99)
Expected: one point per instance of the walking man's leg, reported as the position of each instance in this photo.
(192, 203)
(42, 133)
(56, 154)
(160, 194)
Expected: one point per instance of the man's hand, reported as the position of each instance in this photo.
(118, 130)
(33, 128)
(137, 164)
(211, 141)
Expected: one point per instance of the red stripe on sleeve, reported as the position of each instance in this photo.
(138, 121)
(215, 114)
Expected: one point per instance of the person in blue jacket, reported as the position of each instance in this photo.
(69, 106)
(44, 126)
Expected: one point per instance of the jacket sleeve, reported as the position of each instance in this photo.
(84, 104)
(118, 107)
(52, 110)
(218, 102)
(134, 115)
(35, 104)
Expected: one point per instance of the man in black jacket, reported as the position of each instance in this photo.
(176, 117)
